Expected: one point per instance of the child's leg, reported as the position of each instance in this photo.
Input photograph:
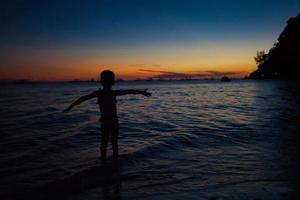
(104, 141)
(114, 139)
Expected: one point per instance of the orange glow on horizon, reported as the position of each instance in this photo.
(129, 64)
(68, 73)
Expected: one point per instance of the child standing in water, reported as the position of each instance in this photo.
(107, 104)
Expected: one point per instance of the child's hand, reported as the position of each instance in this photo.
(67, 109)
(145, 93)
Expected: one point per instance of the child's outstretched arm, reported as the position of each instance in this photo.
(81, 99)
(125, 92)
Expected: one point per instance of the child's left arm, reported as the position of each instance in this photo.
(81, 99)
(125, 92)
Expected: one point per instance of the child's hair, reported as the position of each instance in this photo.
(107, 78)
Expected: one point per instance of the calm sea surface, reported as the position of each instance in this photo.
(191, 139)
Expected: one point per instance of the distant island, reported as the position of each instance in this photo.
(283, 59)
(28, 82)
(225, 79)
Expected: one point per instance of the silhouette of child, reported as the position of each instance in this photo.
(107, 104)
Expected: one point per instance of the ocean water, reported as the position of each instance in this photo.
(190, 140)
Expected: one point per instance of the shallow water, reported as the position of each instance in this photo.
(189, 140)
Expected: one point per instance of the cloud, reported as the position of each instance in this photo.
(165, 74)
(218, 73)
(158, 71)
(145, 65)
(160, 74)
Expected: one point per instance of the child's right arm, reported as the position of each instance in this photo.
(82, 99)
(125, 92)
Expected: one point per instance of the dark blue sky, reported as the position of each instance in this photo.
(139, 21)
(90, 25)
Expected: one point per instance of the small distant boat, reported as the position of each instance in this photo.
(225, 79)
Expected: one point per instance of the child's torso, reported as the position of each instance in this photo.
(107, 104)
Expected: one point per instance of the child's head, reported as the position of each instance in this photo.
(107, 78)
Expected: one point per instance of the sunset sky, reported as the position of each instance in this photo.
(71, 39)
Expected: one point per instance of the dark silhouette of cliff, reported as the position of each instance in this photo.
(283, 60)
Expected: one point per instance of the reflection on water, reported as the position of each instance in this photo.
(190, 139)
